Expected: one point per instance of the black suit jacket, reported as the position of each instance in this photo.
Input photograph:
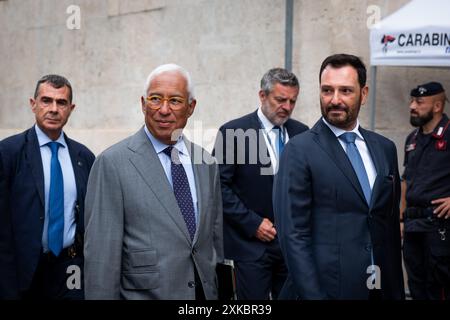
(246, 192)
(326, 228)
(22, 206)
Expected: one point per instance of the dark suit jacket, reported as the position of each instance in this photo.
(246, 193)
(22, 206)
(325, 226)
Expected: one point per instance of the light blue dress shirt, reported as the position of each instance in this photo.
(70, 188)
(185, 160)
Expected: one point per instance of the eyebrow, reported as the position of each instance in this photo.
(57, 100)
(162, 95)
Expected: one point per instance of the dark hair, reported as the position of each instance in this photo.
(55, 81)
(341, 60)
(278, 75)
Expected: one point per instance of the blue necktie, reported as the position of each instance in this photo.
(280, 139)
(181, 189)
(357, 163)
(55, 203)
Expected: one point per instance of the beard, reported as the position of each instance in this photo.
(343, 121)
(419, 121)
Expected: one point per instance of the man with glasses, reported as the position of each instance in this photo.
(43, 177)
(153, 205)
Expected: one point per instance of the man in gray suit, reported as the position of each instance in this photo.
(153, 205)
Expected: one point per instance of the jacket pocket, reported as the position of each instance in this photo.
(140, 281)
(142, 258)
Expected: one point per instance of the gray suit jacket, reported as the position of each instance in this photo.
(137, 245)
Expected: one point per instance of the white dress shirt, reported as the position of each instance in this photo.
(271, 138)
(70, 187)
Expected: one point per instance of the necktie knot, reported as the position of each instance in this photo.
(54, 146)
(172, 153)
(168, 151)
(348, 137)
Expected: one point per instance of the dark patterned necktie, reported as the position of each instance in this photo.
(181, 189)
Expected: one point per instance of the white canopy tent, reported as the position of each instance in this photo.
(418, 34)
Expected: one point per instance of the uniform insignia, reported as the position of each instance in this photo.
(441, 145)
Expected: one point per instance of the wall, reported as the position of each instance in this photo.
(227, 45)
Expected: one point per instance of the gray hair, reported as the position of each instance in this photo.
(278, 75)
(171, 67)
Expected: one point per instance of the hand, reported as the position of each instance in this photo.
(443, 208)
(266, 231)
(402, 230)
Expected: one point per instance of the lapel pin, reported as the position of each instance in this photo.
(410, 147)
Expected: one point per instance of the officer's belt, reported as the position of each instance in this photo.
(418, 212)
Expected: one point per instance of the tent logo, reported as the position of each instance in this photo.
(386, 40)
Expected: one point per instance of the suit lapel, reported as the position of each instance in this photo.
(33, 156)
(329, 143)
(147, 163)
(376, 153)
(261, 147)
(79, 166)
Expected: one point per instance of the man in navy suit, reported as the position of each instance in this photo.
(43, 176)
(336, 199)
(248, 151)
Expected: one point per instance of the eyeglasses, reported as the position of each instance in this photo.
(156, 101)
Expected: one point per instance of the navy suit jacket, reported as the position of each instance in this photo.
(326, 228)
(22, 206)
(246, 193)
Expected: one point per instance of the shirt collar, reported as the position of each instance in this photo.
(43, 139)
(267, 125)
(159, 146)
(338, 131)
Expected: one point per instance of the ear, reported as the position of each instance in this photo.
(72, 106)
(33, 105)
(364, 94)
(262, 96)
(438, 106)
(191, 107)
(143, 105)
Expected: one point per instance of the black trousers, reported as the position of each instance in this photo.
(427, 262)
(261, 279)
(55, 278)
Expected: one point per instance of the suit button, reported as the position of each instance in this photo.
(41, 218)
(191, 284)
(368, 247)
(194, 251)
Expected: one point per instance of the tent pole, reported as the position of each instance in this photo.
(372, 95)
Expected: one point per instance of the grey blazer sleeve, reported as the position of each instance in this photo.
(104, 231)
(218, 224)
